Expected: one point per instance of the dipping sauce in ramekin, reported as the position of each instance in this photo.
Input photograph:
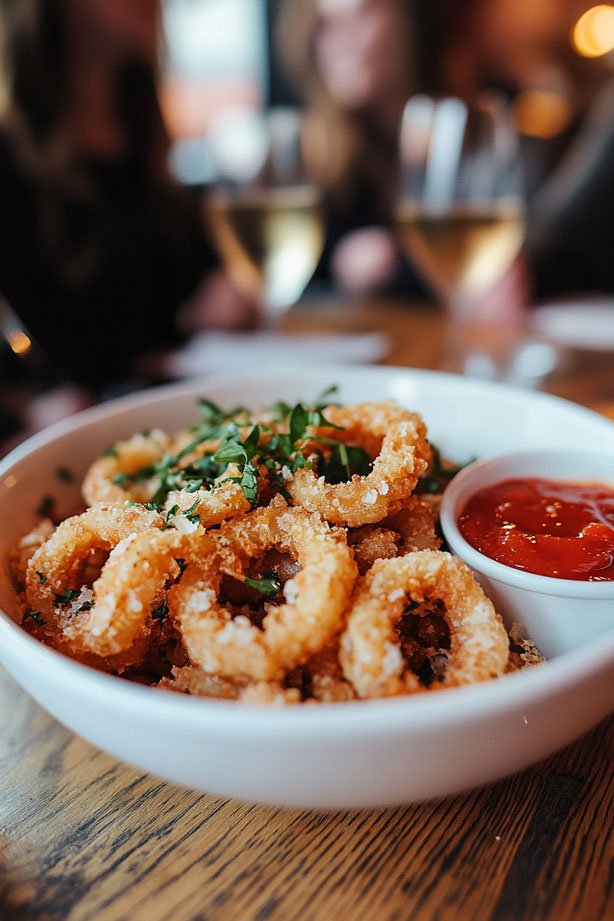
(554, 528)
(559, 612)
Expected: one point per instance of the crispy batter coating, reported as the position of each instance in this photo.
(396, 441)
(370, 654)
(58, 564)
(315, 599)
(124, 595)
(265, 605)
(411, 528)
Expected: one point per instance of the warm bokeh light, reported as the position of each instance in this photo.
(541, 113)
(593, 34)
(19, 341)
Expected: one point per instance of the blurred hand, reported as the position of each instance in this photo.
(365, 260)
(218, 304)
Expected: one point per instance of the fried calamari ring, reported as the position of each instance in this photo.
(58, 564)
(123, 596)
(316, 597)
(141, 450)
(394, 437)
(370, 655)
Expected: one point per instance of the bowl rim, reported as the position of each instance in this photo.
(148, 397)
(363, 717)
(459, 491)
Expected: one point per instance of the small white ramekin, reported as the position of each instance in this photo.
(559, 614)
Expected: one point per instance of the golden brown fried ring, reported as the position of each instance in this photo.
(394, 437)
(370, 652)
(316, 597)
(57, 565)
(123, 596)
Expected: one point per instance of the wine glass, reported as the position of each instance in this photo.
(264, 212)
(459, 217)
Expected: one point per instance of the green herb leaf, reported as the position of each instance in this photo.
(35, 616)
(299, 420)
(249, 484)
(322, 400)
(230, 452)
(268, 584)
(172, 512)
(160, 613)
(252, 442)
(111, 451)
(42, 578)
(67, 596)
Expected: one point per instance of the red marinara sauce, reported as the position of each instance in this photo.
(564, 530)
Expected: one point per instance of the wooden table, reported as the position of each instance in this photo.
(85, 838)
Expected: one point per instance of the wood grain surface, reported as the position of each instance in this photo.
(85, 838)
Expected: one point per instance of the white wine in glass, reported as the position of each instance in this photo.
(464, 248)
(459, 214)
(270, 239)
(264, 213)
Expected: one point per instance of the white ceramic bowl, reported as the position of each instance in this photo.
(338, 755)
(559, 614)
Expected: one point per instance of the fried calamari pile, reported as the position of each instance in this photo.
(286, 556)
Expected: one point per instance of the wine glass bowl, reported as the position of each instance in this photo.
(264, 212)
(460, 219)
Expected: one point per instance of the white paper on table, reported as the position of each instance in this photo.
(585, 323)
(225, 353)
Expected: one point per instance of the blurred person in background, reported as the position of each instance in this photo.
(102, 256)
(356, 62)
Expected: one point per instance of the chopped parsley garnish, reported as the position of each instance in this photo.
(268, 584)
(111, 451)
(345, 461)
(34, 616)
(160, 613)
(230, 446)
(172, 513)
(67, 596)
(42, 578)
(46, 507)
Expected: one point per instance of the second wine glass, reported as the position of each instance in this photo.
(264, 212)
(460, 217)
